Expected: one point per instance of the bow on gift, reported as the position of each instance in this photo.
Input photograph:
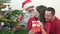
(35, 23)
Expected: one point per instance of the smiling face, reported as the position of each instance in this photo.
(30, 9)
(48, 15)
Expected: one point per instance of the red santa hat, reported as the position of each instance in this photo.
(27, 4)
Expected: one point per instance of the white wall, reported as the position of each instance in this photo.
(16, 4)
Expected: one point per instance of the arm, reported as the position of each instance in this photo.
(42, 29)
(47, 27)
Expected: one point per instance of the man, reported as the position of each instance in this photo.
(28, 10)
(54, 21)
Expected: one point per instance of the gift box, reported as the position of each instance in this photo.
(36, 26)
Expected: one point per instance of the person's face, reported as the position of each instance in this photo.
(37, 14)
(48, 16)
(30, 9)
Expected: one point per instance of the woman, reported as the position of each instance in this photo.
(40, 9)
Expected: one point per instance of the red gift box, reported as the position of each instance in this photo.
(36, 26)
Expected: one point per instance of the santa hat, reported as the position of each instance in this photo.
(27, 4)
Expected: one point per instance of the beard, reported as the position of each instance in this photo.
(31, 10)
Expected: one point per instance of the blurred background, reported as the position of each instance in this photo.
(16, 4)
(11, 11)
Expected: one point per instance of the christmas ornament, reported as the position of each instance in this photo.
(20, 18)
(13, 29)
(18, 26)
(2, 23)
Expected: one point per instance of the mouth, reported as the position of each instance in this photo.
(31, 10)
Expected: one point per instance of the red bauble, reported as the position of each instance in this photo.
(13, 29)
(18, 26)
(18, 20)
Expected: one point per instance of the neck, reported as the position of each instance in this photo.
(53, 18)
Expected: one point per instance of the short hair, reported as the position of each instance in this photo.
(51, 9)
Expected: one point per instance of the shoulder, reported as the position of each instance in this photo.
(47, 27)
(32, 18)
(57, 22)
(47, 24)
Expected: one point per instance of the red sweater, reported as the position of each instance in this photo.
(50, 27)
(55, 26)
(47, 25)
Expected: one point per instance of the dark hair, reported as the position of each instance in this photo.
(41, 9)
(51, 9)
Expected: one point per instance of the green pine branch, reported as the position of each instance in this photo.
(6, 1)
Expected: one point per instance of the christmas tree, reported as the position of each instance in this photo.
(8, 23)
(11, 25)
(2, 6)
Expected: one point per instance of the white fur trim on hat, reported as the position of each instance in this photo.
(27, 5)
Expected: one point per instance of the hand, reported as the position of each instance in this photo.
(31, 32)
(41, 25)
(42, 28)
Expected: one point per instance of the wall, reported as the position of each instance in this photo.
(16, 4)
